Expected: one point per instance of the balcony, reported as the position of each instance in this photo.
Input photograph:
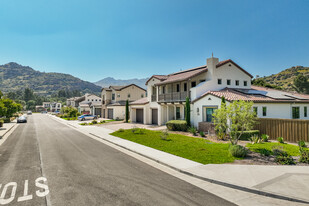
(173, 97)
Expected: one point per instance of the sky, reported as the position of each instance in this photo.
(94, 39)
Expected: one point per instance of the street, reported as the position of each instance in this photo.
(49, 163)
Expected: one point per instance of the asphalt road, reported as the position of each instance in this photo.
(82, 171)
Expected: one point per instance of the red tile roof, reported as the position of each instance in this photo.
(159, 77)
(231, 94)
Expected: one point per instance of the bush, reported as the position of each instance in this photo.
(238, 151)
(302, 143)
(177, 125)
(282, 157)
(1, 122)
(247, 134)
(264, 152)
(102, 121)
(280, 140)
(265, 137)
(202, 134)
(255, 139)
(83, 123)
(6, 120)
(90, 123)
(120, 130)
(94, 122)
(304, 156)
(164, 135)
(193, 131)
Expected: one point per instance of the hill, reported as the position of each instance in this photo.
(106, 82)
(284, 79)
(14, 77)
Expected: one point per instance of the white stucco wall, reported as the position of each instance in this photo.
(118, 111)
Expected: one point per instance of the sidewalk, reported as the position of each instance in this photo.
(279, 182)
(5, 129)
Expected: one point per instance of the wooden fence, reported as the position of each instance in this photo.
(291, 130)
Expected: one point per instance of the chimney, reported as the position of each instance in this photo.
(211, 65)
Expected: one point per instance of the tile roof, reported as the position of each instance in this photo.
(256, 95)
(140, 101)
(184, 75)
(159, 77)
(118, 88)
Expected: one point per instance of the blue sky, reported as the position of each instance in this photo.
(93, 39)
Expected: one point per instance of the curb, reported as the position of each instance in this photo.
(233, 186)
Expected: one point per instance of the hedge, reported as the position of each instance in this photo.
(247, 134)
(177, 125)
(6, 120)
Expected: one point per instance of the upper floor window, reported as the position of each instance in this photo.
(113, 96)
(129, 95)
(177, 88)
(219, 81)
(237, 82)
(295, 113)
(245, 83)
(228, 82)
(193, 84)
(305, 111)
(185, 87)
(163, 90)
(142, 95)
(264, 111)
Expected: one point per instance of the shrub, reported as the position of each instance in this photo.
(164, 135)
(238, 151)
(247, 134)
(264, 152)
(304, 156)
(264, 137)
(282, 157)
(202, 134)
(302, 143)
(120, 130)
(177, 125)
(255, 139)
(94, 122)
(6, 120)
(83, 123)
(102, 121)
(193, 131)
(1, 122)
(280, 140)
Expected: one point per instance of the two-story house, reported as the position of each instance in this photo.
(114, 99)
(55, 106)
(205, 86)
(90, 105)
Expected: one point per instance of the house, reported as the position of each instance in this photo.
(90, 105)
(74, 101)
(114, 99)
(55, 107)
(49, 106)
(205, 85)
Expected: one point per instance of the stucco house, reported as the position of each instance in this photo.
(114, 99)
(205, 85)
(90, 105)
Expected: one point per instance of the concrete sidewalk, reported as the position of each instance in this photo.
(7, 127)
(279, 182)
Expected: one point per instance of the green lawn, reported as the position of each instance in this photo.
(196, 149)
(290, 149)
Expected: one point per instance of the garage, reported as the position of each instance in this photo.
(110, 113)
(154, 115)
(97, 111)
(140, 116)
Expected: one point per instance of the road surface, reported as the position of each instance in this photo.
(44, 162)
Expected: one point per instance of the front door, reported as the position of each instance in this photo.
(209, 112)
(177, 112)
(155, 116)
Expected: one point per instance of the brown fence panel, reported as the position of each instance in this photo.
(291, 130)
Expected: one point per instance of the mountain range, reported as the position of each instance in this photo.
(106, 82)
(14, 77)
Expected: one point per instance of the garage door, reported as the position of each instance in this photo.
(97, 111)
(139, 115)
(110, 114)
(154, 116)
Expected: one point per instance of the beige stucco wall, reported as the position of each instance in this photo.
(134, 91)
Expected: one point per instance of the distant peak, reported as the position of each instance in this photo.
(12, 65)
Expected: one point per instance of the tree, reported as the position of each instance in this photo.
(301, 84)
(127, 111)
(28, 94)
(220, 120)
(235, 118)
(30, 105)
(187, 115)
(9, 107)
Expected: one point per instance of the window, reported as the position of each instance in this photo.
(142, 95)
(237, 82)
(209, 112)
(177, 88)
(305, 111)
(228, 82)
(219, 81)
(113, 96)
(96, 100)
(264, 111)
(129, 95)
(163, 90)
(245, 83)
(177, 112)
(185, 87)
(202, 80)
(295, 112)
(118, 95)
(255, 109)
(193, 84)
